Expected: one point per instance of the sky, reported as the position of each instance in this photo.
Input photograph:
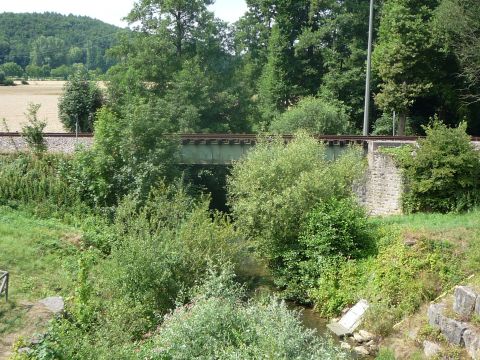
(110, 11)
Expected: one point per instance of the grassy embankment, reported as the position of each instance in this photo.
(40, 256)
(459, 237)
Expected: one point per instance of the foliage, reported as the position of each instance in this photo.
(217, 324)
(79, 102)
(443, 173)
(37, 181)
(274, 188)
(316, 115)
(457, 21)
(50, 38)
(334, 233)
(131, 154)
(32, 132)
(11, 69)
(402, 55)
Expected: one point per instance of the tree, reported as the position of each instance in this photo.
(458, 20)
(274, 187)
(403, 55)
(79, 102)
(273, 89)
(12, 69)
(48, 50)
(315, 115)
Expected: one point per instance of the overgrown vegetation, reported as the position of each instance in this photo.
(442, 174)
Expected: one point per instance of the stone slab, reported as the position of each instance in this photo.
(464, 301)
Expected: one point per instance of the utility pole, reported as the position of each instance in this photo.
(366, 114)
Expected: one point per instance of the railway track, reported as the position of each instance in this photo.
(245, 138)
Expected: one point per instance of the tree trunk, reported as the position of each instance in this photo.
(402, 121)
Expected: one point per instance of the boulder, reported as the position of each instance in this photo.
(431, 349)
(362, 350)
(435, 314)
(452, 329)
(366, 335)
(471, 338)
(54, 304)
(464, 301)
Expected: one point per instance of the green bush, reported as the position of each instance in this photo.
(32, 132)
(334, 233)
(274, 188)
(131, 155)
(216, 324)
(315, 115)
(443, 173)
(80, 101)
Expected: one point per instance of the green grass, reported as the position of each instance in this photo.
(40, 257)
(436, 222)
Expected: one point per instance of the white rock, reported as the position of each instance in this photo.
(366, 335)
(471, 338)
(358, 338)
(464, 301)
(346, 346)
(431, 349)
(54, 304)
(362, 350)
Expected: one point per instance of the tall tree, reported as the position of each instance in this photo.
(403, 55)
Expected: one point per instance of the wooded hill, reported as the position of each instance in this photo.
(53, 40)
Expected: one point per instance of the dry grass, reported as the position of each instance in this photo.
(15, 99)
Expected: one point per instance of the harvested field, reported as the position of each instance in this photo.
(15, 99)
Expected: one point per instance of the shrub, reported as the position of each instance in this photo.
(315, 115)
(216, 324)
(443, 174)
(274, 188)
(79, 102)
(32, 132)
(164, 247)
(130, 155)
(334, 233)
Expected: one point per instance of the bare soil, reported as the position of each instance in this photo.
(15, 99)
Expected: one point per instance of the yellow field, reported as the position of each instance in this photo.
(15, 99)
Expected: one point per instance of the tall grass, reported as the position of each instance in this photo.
(38, 181)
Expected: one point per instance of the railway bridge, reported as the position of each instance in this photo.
(380, 191)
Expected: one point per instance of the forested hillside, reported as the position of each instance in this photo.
(51, 40)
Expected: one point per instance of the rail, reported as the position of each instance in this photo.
(229, 138)
(4, 278)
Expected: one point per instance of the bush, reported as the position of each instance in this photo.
(334, 233)
(80, 101)
(315, 115)
(443, 174)
(32, 132)
(216, 324)
(131, 155)
(166, 246)
(274, 188)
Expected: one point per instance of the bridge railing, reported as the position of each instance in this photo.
(4, 278)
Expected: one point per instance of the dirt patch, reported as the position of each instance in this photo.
(36, 320)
